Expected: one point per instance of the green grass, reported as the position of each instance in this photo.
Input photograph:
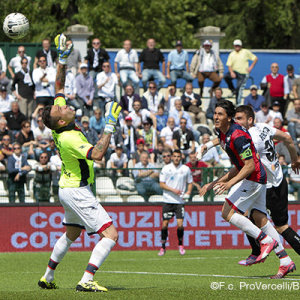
(169, 277)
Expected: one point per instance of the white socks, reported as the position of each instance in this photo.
(60, 249)
(99, 254)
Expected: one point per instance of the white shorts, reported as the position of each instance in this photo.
(247, 195)
(83, 210)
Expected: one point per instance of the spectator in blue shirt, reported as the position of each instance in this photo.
(97, 122)
(178, 64)
(161, 118)
(253, 99)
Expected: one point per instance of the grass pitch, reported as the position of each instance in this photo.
(200, 274)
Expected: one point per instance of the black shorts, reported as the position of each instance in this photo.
(277, 203)
(170, 210)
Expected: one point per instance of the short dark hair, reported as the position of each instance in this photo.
(227, 106)
(24, 58)
(49, 121)
(24, 123)
(176, 151)
(248, 110)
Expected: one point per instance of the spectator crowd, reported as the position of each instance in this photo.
(154, 121)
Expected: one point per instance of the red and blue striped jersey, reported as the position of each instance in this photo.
(239, 146)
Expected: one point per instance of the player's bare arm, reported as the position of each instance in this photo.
(100, 148)
(164, 186)
(60, 78)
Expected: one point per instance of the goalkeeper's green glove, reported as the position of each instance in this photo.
(62, 49)
(113, 110)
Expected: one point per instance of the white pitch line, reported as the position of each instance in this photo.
(193, 275)
(183, 258)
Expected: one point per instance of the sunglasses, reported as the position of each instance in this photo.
(96, 43)
(5, 139)
(27, 126)
(105, 66)
(16, 148)
(43, 60)
(182, 122)
(164, 156)
(21, 51)
(39, 120)
(152, 87)
(43, 157)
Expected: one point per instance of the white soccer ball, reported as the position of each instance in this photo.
(15, 26)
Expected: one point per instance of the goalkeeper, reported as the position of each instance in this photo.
(82, 210)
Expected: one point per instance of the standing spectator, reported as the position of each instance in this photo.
(26, 139)
(42, 136)
(90, 133)
(293, 117)
(191, 103)
(85, 89)
(146, 177)
(25, 91)
(74, 59)
(119, 162)
(15, 64)
(152, 98)
(17, 168)
(129, 136)
(296, 88)
(139, 115)
(128, 98)
(238, 66)
(97, 121)
(176, 181)
(5, 100)
(44, 80)
(151, 57)
(14, 118)
(253, 99)
(275, 83)
(207, 64)
(96, 56)
(106, 83)
(70, 90)
(161, 118)
(166, 134)
(178, 64)
(140, 149)
(183, 139)
(212, 103)
(148, 133)
(42, 179)
(196, 169)
(170, 97)
(51, 55)
(288, 81)
(127, 59)
(4, 130)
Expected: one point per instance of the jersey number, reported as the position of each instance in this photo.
(271, 154)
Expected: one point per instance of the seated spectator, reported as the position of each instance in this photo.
(5, 100)
(6, 148)
(152, 98)
(207, 64)
(42, 178)
(15, 64)
(294, 186)
(25, 89)
(253, 99)
(97, 121)
(277, 123)
(70, 90)
(116, 138)
(140, 143)
(127, 59)
(3, 67)
(167, 154)
(146, 177)
(26, 139)
(289, 81)
(106, 83)
(151, 57)
(51, 150)
(129, 136)
(170, 97)
(158, 155)
(51, 55)
(85, 90)
(38, 112)
(74, 59)
(293, 117)
(119, 161)
(14, 118)
(266, 115)
(183, 139)
(90, 133)
(212, 103)
(78, 116)
(56, 163)
(178, 64)
(139, 115)
(127, 99)
(44, 81)
(166, 134)
(42, 136)
(196, 169)
(148, 134)
(161, 118)
(178, 113)
(191, 103)
(4, 130)
(17, 169)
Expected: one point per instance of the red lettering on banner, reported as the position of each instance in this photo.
(37, 229)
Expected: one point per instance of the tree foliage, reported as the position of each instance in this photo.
(259, 23)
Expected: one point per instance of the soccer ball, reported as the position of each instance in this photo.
(16, 26)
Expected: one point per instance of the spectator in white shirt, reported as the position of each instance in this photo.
(14, 65)
(119, 162)
(70, 90)
(5, 100)
(152, 98)
(127, 59)
(44, 80)
(266, 115)
(166, 134)
(42, 136)
(170, 97)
